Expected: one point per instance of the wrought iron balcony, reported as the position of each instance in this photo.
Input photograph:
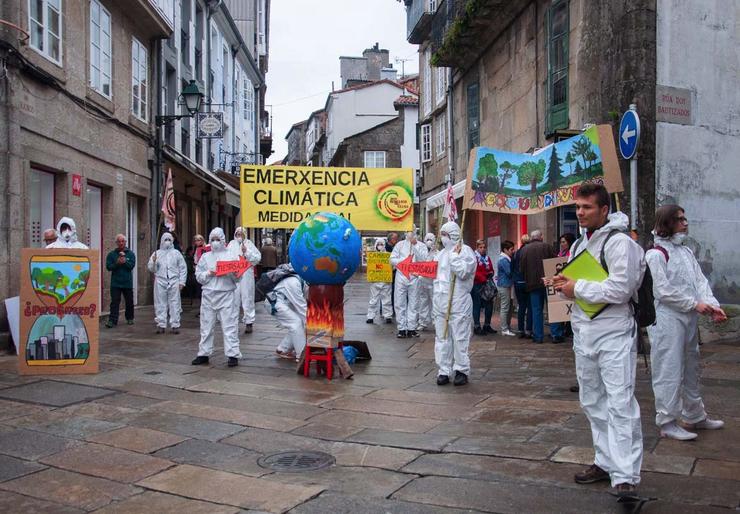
(418, 20)
(463, 29)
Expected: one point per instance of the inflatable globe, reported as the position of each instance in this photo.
(325, 249)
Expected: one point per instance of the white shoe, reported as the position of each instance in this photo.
(673, 431)
(709, 424)
(508, 333)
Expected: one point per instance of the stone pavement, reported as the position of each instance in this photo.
(151, 433)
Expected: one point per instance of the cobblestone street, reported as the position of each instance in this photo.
(151, 433)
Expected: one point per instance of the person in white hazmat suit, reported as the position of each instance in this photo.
(244, 296)
(380, 294)
(170, 275)
(605, 347)
(406, 290)
(451, 351)
(217, 301)
(681, 293)
(426, 286)
(287, 302)
(67, 232)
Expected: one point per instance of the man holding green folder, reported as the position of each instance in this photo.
(604, 340)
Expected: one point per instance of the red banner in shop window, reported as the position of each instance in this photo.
(494, 227)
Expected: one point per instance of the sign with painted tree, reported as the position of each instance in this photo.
(527, 183)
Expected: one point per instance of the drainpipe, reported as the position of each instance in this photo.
(158, 149)
(450, 128)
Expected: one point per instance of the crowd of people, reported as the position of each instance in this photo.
(605, 346)
(467, 282)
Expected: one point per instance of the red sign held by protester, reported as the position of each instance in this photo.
(426, 269)
(237, 267)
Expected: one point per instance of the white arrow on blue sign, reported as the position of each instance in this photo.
(629, 134)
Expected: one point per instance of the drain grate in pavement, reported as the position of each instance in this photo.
(152, 372)
(296, 462)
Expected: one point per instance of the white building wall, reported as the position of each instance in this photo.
(357, 110)
(697, 165)
(409, 152)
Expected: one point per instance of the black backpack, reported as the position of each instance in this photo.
(269, 280)
(644, 307)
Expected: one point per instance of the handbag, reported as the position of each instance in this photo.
(489, 290)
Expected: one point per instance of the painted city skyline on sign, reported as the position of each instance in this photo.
(526, 183)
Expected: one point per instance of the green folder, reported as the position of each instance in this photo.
(585, 266)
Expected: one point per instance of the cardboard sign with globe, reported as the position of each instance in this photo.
(325, 251)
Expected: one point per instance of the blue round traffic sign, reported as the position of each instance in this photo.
(629, 134)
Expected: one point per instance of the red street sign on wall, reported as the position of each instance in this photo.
(77, 185)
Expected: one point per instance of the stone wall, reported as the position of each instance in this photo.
(697, 163)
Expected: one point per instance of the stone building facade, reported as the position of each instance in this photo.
(75, 108)
(535, 72)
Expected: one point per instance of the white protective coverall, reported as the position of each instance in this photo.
(426, 286)
(406, 292)
(244, 296)
(380, 292)
(290, 311)
(67, 238)
(678, 286)
(451, 353)
(217, 298)
(170, 274)
(606, 352)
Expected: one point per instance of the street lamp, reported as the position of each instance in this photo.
(191, 97)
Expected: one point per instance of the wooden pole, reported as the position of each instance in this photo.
(454, 277)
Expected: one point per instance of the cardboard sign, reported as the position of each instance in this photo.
(558, 307)
(524, 183)
(236, 267)
(379, 267)
(325, 316)
(59, 331)
(426, 269)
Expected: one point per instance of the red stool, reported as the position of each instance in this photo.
(327, 356)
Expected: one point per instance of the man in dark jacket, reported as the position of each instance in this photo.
(533, 270)
(120, 262)
(523, 312)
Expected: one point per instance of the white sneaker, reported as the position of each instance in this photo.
(709, 424)
(673, 431)
(508, 333)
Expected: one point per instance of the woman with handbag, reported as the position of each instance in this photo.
(482, 291)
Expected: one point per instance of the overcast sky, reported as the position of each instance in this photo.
(306, 40)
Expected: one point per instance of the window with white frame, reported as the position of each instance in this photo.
(40, 206)
(45, 26)
(238, 105)
(248, 100)
(139, 82)
(374, 159)
(426, 143)
(100, 49)
(426, 82)
(441, 129)
(441, 85)
(432, 5)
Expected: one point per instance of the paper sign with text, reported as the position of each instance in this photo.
(379, 267)
(237, 267)
(558, 307)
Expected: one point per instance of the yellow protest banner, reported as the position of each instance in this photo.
(370, 198)
(379, 267)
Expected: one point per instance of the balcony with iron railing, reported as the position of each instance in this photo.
(463, 29)
(418, 20)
